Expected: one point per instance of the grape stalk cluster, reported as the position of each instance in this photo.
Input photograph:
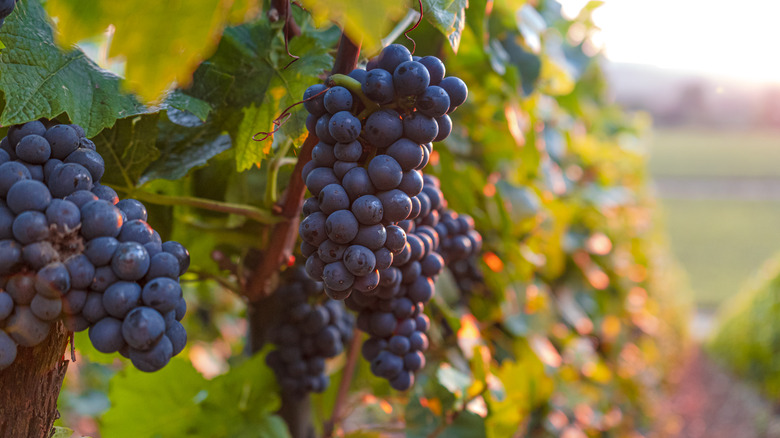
(70, 250)
(368, 231)
(312, 329)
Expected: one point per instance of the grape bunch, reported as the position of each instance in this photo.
(311, 331)
(375, 129)
(393, 314)
(70, 250)
(6, 7)
(460, 248)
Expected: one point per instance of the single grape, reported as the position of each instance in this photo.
(64, 215)
(372, 237)
(81, 197)
(433, 102)
(407, 153)
(68, 178)
(330, 251)
(25, 328)
(392, 56)
(163, 264)
(136, 230)
(385, 172)
(337, 277)
(351, 151)
(81, 271)
(30, 226)
(27, 195)
(73, 302)
(10, 173)
(379, 86)
(383, 128)
(397, 205)
(410, 78)
(319, 178)
(315, 106)
(322, 129)
(106, 335)
(100, 219)
(6, 305)
(357, 183)
(33, 149)
(46, 309)
(154, 358)
(435, 68)
(143, 327)
(322, 155)
(162, 294)
(17, 132)
(7, 350)
(133, 209)
(344, 127)
(177, 335)
(444, 124)
(105, 193)
(337, 99)
(457, 90)
(64, 139)
(341, 226)
(180, 252)
(130, 261)
(420, 128)
(333, 197)
(312, 228)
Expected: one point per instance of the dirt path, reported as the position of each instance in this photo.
(707, 402)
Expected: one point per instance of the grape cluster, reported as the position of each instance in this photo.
(6, 7)
(393, 314)
(311, 331)
(375, 134)
(71, 250)
(460, 248)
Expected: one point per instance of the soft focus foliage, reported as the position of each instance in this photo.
(569, 330)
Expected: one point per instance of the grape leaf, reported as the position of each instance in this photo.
(178, 401)
(39, 80)
(366, 21)
(449, 17)
(128, 149)
(162, 42)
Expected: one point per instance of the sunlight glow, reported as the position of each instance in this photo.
(726, 39)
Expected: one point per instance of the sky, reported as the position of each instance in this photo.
(730, 39)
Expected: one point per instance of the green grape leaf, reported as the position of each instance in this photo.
(40, 80)
(366, 21)
(184, 102)
(449, 17)
(178, 401)
(128, 149)
(182, 149)
(161, 42)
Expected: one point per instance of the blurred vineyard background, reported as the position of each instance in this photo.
(623, 206)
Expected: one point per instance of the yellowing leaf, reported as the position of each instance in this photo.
(185, 33)
(366, 21)
(554, 78)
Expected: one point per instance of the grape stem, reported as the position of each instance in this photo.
(276, 163)
(257, 214)
(354, 86)
(411, 17)
(346, 380)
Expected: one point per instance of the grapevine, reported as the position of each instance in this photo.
(73, 252)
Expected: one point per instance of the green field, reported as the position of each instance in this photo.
(691, 152)
(719, 242)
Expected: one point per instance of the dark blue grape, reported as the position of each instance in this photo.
(314, 267)
(322, 155)
(121, 297)
(404, 256)
(93, 310)
(344, 127)
(383, 128)
(6, 305)
(68, 178)
(99, 251)
(358, 183)
(153, 359)
(100, 219)
(340, 168)
(433, 102)
(397, 205)
(6, 223)
(337, 99)
(319, 178)
(63, 139)
(368, 282)
(312, 228)
(30, 226)
(136, 230)
(385, 172)
(105, 193)
(143, 327)
(333, 197)
(435, 68)
(78, 130)
(73, 302)
(379, 86)
(36, 170)
(177, 335)
(372, 347)
(17, 132)
(33, 149)
(133, 209)
(322, 129)
(311, 205)
(315, 106)
(403, 381)
(104, 277)
(445, 127)
(351, 151)
(383, 324)
(406, 327)
(384, 258)
(358, 74)
(28, 195)
(106, 335)
(396, 238)
(85, 143)
(130, 261)
(181, 309)
(432, 264)
(368, 210)
(9, 151)
(64, 215)
(53, 280)
(420, 128)
(81, 271)
(359, 260)
(180, 252)
(10, 173)
(387, 365)
(81, 197)
(162, 294)
(412, 184)
(418, 341)
(311, 123)
(49, 167)
(399, 345)
(46, 309)
(341, 226)
(407, 153)
(330, 251)
(371, 236)
(163, 264)
(4, 156)
(393, 55)
(457, 90)
(337, 277)
(410, 78)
